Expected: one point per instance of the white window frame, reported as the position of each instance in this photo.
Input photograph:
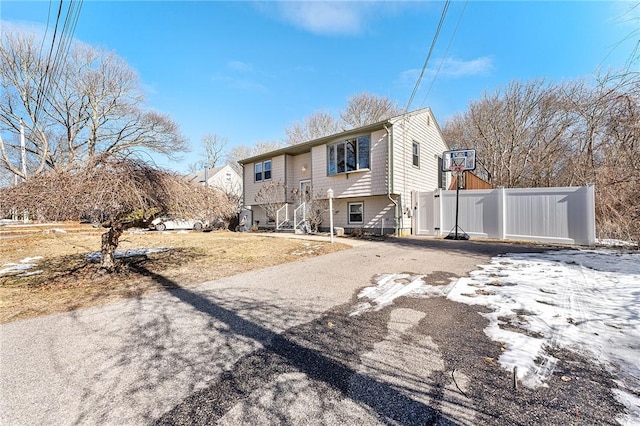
(332, 155)
(352, 222)
(415, 155)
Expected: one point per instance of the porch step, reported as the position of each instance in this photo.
(286, 230)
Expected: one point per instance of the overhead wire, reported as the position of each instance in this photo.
(446, 51)
(45, 78)
(56, 61)
(426, 61)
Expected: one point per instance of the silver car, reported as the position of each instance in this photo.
(168, 222)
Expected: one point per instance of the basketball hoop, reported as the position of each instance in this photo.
(457, 169)
(457, 162)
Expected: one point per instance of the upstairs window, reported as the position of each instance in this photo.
(262, 171)
(416, 154)
(267, 170)
(257, 168)
(349, 155)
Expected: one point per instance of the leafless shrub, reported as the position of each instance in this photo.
(127, 192)
(271, 196)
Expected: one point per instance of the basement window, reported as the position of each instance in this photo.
(356, 213)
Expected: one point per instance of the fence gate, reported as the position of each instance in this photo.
(426, 212)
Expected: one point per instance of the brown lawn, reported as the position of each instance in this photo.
(69, 279)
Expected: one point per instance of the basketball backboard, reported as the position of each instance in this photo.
(459, 160)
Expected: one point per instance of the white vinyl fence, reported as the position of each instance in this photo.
(555, 215)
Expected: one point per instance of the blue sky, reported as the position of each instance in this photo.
(248, 70)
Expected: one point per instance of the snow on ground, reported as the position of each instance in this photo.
(584, 300)
(24, 265)
(608, 242)
(120, 254)
(28, 263)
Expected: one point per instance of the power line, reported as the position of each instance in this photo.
(445, 53)
(55, 61)
(45, 78)
(426, 61)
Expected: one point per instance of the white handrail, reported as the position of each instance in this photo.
(297, 223)
(279, 223)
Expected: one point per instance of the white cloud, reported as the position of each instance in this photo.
(240, 66)
(459, 68)
(326, 18)
(448, 67)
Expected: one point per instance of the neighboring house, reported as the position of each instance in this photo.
(224, 178)
(372, 170)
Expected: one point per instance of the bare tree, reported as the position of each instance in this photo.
(317, 125)
(361, 110)
(127, 192)
(366, 108)
(576, 133)
(214, 146)
(88, 105)
(241, 152)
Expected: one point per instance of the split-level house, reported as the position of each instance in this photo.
(373, 172)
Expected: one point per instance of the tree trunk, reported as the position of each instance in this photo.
(110, 241)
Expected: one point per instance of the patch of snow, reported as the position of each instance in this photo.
(584, 300)
(608, 242)
(391, 286)
(12, 268)
(28, 274)
(55, 231)
(24, 265)
(31, 259)
(120, 254)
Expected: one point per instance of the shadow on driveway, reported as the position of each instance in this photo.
(289, 353)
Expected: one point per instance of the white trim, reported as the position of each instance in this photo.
(349, 221)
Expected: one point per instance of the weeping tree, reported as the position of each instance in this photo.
(127, 192)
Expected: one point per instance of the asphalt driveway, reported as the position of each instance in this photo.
(278, 346)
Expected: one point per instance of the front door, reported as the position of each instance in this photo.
(305, 191)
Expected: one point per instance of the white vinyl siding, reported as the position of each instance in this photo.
(420, 128)
(378, 213)
(251, 186)
(357, 183)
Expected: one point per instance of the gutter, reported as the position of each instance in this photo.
(390, 176)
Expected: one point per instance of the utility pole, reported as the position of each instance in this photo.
(23, 152)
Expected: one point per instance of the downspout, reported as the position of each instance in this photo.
(244, 194)
(390, 177)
